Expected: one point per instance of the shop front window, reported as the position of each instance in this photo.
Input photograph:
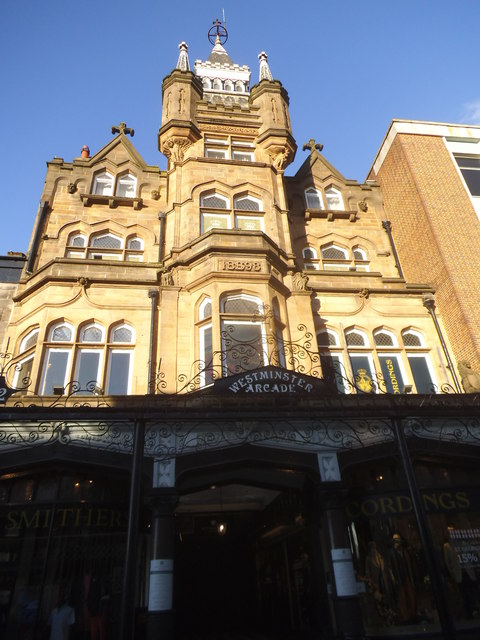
(396, 586)
(62, 539)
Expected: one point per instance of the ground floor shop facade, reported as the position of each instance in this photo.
(295, 518)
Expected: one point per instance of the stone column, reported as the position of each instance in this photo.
(346, 603)
(163, 500)
(160, 598)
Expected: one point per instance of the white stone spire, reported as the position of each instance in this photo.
(264, 71)
(183, 63)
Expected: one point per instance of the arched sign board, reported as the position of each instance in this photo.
(271, 379)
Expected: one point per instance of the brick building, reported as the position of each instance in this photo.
(429, 175)
(212, 375)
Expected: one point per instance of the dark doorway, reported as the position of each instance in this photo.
(245, 570)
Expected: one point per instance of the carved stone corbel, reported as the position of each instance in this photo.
(280, 157)
(174, 148)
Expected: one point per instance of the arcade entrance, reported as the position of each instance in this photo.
(248, 559)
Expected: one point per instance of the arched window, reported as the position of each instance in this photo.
(29, 341)
(126, 186)
(105, 246)
(361, 259)
(76, 245)
(335, 258)
(390, 360)
(214, 219)
(90, 362)
(118, 379)
(23, 368)
(207, 83)
(310, 258)
(334, 199)
(89, 358)
(228, 85)
(419, 361)
(313, 198)
(243, 334)
(247, 203)
(214, 201)
(331, 359)
(361, 360)
(205, 341)
(239, 86)
(384, 338)
(245, 220)
(103, 184)
(134, 252)
(57, 359)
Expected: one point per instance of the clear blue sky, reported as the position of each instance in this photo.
(70, 69)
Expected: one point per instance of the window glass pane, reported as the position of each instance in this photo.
(243, 347)
(246, 204)
(411, 340)
(206, 354)
(469, 162)
(122, 334)
(126, 186)
(241, 305)
(332, 370)
(92, 334)
(107, 242)
(62, 334)
(334, 253)
(359, 254)
(87, 369)
(220, 154)
(29, 341)
(77, 241)
(355, 339)
(245, 156)
(205, 310)
(214, 202)
(103, 185)
(325, 339)
(383, 339)
(421, 374)
(55, 371)
(249, 224)
(211, 221)
(118, 373)
(392, 375)
(334, 200)
(135, 244)
(472, 178)
(23, 374)
(362, 373)
(314, 200)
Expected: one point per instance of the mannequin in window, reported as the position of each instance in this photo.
(61, 618)
(403, 581)
(379, 579)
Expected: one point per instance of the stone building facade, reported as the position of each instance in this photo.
(212, 374)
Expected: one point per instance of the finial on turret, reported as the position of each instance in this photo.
(183, 63)
(264, 71)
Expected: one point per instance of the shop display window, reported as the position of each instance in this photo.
(62, 543)
(395, 586)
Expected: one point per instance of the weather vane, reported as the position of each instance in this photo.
(218, 33)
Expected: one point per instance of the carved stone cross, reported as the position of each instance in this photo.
(122, 128)
(312, 145)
